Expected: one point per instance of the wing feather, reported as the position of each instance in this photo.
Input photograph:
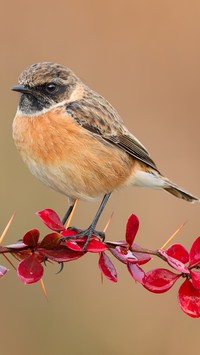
(132, 147)
(99, 117)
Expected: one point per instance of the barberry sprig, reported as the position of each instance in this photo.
(32, 253)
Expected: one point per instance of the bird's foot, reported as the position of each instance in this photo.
(88, 233)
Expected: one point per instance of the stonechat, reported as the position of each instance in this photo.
(74, 140)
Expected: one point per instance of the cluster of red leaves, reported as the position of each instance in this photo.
(32, 254)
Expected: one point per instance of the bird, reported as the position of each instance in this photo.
(73, 140)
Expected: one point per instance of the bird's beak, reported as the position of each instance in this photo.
(22, 89)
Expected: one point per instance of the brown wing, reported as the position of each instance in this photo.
(96, 115)
(131, 145)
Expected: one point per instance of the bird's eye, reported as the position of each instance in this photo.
(51, 88)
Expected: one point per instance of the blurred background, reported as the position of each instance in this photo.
(143, 56)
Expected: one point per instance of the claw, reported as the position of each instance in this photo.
(88, 233)
(61, 267)
(81, 233)
(44, 260)
(91, 230)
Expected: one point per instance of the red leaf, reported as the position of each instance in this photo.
(73, 245)
(136, 272)
(51, 219)
(61, 254)
(117, 254)
(95, 246)
(123, 255)
(71, 232)
(178, 252)
(195, 279)
(159, 280)
(127, 256)
(30, 269)
(21, 254)
(3, 271)
(143, 258)
(116, 244)
(195, 253)
(189, 299)
(132, 228)
(18, 245)
(50, 241)
(31, 237)
(176, 264)
(107, 268)
(131, 257)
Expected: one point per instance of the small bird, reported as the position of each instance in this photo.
(74, 140)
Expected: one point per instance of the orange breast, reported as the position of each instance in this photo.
(67, 157)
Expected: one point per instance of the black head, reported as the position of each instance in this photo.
(44, 84)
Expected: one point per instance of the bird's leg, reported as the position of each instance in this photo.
(67, 214)
(91, 229)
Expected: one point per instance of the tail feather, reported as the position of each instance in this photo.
(180, 193)
(154, 179)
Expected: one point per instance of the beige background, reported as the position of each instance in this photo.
(143, 56)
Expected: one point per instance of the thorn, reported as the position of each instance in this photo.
(72, 213)
(6, 228)
(43, 289)
(108, 223)
(15, 256)
(173, 235)
(10, 262)
(101, 278)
